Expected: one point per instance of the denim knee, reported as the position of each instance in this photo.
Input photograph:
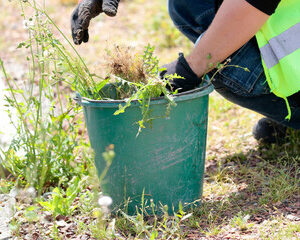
(192, 17)
(244, 75)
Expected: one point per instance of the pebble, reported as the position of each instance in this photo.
(292, 217)
(7, 204)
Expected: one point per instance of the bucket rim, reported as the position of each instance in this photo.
(198, 92)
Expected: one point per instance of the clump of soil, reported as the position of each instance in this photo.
(127, 63)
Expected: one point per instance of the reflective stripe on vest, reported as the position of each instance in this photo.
(279, 44)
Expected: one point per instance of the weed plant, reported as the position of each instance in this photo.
(49, 140)
(61, 202)
(135, 76)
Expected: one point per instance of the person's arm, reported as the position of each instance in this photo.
(235, 23)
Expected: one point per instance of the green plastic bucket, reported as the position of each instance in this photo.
(165, 163)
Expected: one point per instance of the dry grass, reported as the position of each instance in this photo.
(127, 63)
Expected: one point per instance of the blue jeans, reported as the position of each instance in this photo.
(247, 89)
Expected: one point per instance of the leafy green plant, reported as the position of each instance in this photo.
(241, 221)
(61, 202)
(31, 214)
(49, 137)
(5, 186)
(44, 150)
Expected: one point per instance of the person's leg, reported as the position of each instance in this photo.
(248, 89)
(192, 17)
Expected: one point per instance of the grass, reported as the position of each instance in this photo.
(277, 228)
(251, 191)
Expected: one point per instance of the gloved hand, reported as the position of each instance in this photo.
(187, 79)
(85, 11)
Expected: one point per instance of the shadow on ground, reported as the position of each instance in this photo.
(249, 188)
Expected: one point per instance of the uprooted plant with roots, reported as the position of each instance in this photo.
(134, 75)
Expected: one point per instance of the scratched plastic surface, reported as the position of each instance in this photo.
(165, 161)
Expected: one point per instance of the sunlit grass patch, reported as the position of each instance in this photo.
(221, 189)
(279, 185)
(277, 228)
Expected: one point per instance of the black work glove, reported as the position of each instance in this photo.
(85, 11)
(187, 79)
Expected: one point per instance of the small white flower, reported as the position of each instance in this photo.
(46, 53)
(105, 201)
(27, 24)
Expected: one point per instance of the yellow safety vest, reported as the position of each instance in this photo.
(279, 44)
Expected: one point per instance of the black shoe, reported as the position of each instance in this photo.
(268, 131)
